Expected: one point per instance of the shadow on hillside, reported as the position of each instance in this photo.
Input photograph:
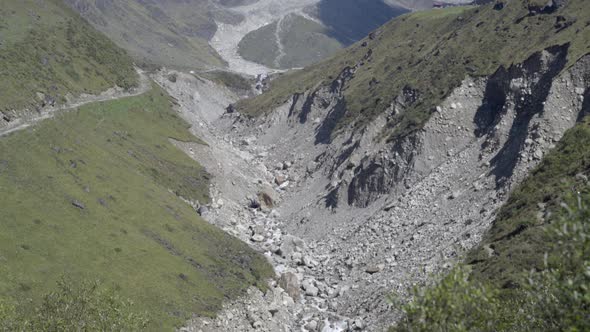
(548, 64)
(352, 20)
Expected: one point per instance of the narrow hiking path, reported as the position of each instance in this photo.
(49, 112)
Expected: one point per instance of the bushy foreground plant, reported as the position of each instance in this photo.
(84, 307)
(555, 299)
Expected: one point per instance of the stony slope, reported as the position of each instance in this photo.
(367, 173)
(355, 215)
(426, 203)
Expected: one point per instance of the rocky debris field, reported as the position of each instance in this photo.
(347, 221)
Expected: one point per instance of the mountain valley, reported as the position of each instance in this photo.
(220, 189)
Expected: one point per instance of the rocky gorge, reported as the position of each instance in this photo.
(346, 220)
(323, 198)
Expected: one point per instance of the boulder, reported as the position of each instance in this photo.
(309, 262)
(280, 179)
(290, 284)
(257, 238)
(310, 288)
(290, 245)
(358, 324)
(202, 210)
(372, 269)
(267, 197)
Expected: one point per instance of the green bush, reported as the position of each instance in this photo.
(85, 307)
(559, 296)
(455, 304)
(555, 299)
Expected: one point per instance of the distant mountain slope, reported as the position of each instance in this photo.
(411, 4)
(166, 32)
(47, 51)
(301, 39)
(351, 20)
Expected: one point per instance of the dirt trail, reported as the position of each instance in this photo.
(51, 111)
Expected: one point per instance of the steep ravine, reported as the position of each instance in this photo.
(354, 218)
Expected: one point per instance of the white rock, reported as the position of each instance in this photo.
(257, 238)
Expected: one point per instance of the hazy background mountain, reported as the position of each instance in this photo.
(317, 32)
(163, 32)
(177, 33)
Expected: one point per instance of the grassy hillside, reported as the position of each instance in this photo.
(517, 239)
(169, 32)
(432, 52)
(48, 51)
(260, 45)
(304, 42)
(92, 194)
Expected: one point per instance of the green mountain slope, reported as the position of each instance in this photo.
(431, 52)
(48, 51)
(517, 241)
(326, 28)
(92, 194)
(304, 42)
(170, 33)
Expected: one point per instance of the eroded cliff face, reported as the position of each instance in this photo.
(379, 216)
(363, 166)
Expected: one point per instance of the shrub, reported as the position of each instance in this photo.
(84, 307)
(454, 304)
(555, 299)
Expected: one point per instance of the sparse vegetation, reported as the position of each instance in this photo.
(231, 80)
(431, 52)
(47, 52)
(93, 194)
